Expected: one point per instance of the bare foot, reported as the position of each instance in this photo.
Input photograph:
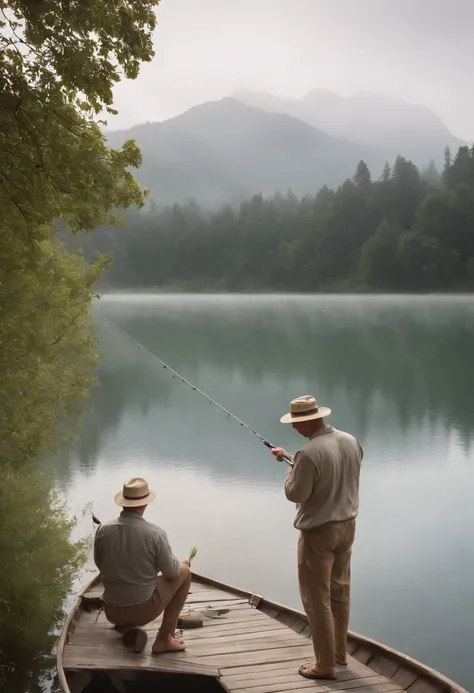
(171, 644)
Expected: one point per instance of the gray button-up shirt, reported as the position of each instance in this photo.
(324, 481)
(129, 552)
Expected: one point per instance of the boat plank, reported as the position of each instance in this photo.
(96, 591)
(101, 658)
(239, 643)
(264, 657)
(384, 664)
(237, 620)
(292, 676)
(370, 685)
(196, 649)
(200, 598)
(214, 595)
(258, 671)
(204, 587)
(250, 638)
(215, 626)
(261, 646)
(405, 676)
(363, 653)
(299, 625)
(351, 644)
(220, 630)
(387, 687)
(94, 619)
(306, 631)
(424, 685)
(207, 631)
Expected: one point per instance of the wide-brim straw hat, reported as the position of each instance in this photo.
(304, 409)
(135, 493)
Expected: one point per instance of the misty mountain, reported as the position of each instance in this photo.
(389, 125)
(226, 151)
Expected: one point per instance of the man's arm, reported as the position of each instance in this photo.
(166, 561)
(301, 479)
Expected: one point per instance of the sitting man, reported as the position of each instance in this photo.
(130, 552)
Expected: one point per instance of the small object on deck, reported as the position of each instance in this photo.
(135, 639)
(211, 612)
(190, 619)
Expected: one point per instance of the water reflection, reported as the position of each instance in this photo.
(396, 372)
(398, 364)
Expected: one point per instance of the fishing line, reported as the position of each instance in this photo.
(184, 380)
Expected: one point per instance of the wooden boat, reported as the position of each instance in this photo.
(255, 648)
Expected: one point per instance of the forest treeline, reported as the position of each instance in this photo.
(410, 230)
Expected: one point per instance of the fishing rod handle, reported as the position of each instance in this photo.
(288, 460)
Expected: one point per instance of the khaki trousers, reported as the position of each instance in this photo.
(169, 597)
(324, 573)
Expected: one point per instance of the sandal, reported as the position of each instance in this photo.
(309, 672)
(171, 644)
(178, 636)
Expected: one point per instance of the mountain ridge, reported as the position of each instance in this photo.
(225, 151)
(365, 117)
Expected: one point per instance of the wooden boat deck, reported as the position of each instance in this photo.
(257, 647)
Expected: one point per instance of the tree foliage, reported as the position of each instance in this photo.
(42, 563)
(83, 48)
(47, 344)
(59, 62)
(402, 232)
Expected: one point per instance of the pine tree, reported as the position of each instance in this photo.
(362, 175)
(386, 173)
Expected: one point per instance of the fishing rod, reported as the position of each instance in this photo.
(196, 389)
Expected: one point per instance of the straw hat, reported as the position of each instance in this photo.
(135, 492)
(304, 409)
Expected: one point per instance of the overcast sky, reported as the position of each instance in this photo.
(421, 51)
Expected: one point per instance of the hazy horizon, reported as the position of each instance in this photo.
(206, 49)
(114, 122)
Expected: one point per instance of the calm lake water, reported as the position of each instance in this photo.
(396, 371)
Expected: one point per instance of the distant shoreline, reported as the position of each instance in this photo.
(173, 291)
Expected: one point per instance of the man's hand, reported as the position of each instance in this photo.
(280, 453)
(187, 562)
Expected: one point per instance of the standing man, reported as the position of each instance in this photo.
(130, 552)
(324, 484)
